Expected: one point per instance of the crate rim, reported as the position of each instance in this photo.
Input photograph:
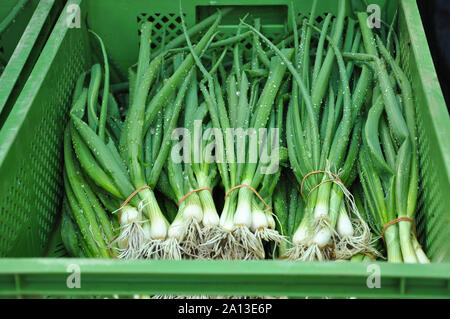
(237, 277)
(218, 267)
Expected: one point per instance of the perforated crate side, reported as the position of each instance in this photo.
(433, 215)
(31, 146)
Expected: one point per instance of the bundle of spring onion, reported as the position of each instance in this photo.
(388, 161)
(217, 151)
(323, 132)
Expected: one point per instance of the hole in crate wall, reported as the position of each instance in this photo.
(166, 27)
(319, 20)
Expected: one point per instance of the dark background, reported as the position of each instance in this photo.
(436, 21)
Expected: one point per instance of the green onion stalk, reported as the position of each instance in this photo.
(151, 231)
(289, 209)
(96, 138)
(94, 224)
(86, 162)
(75, 244)
(185, 232)
(102, 164)
(388, 162)
(135, 139)
(273, 155)
(236, 240)
(223, 242)
(249, 214)
(220, 242)
(201, 171)
(123, 157)
(170, 249)
(262, 115)
(323, 135)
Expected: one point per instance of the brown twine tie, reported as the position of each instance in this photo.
(395, 221)
(335, 179)
(254, 191)
(192, 192)
(120, 213)
(130, 197)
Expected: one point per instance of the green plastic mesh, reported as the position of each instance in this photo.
(165, 26)
(430, 216)
(30, 205)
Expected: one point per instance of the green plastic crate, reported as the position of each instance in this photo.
(31, 171)
(27, 27)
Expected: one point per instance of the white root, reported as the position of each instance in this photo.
(172, 249)
(184, 240)
(154, 249)
(230, 245)
(295, 252)
(316, 253)
(130, 240)
(193, 236)
(267, 234)
(211, 236)
(220, 243)
(252, 246)
(132, 236)
(310, 252)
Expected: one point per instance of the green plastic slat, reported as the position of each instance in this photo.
(26, 52)
(14, 17)
(31, 166)
(239, 278)
(30, 145)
